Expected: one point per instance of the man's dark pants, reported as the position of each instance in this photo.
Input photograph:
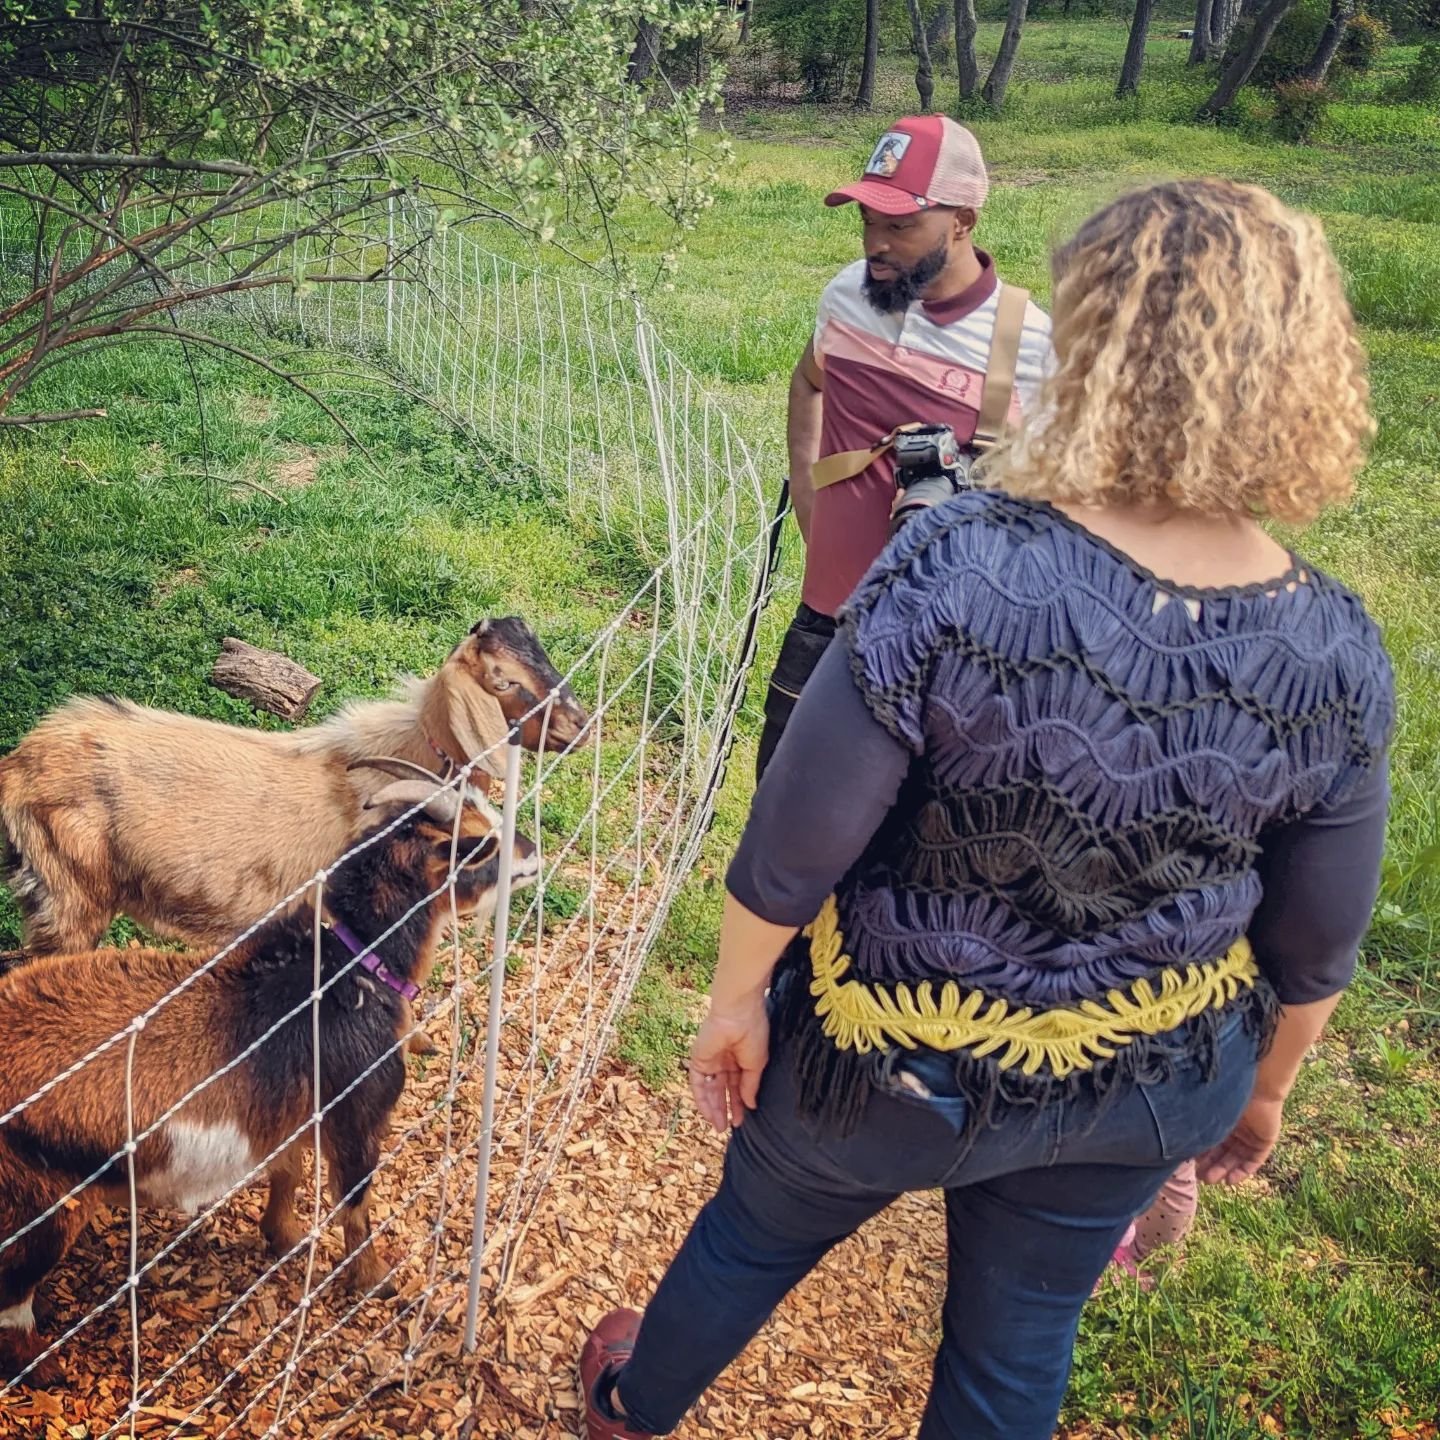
(805, 642)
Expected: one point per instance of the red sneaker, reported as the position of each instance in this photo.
(611, 1344)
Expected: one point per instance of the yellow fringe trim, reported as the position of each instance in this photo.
(865, 1017)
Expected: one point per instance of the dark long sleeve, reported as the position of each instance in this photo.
(832, 780)
(1321, 875)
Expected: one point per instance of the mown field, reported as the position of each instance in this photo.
(1308, 1305)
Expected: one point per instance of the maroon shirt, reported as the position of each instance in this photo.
(927, 364)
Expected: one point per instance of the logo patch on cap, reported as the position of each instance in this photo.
(888, 154)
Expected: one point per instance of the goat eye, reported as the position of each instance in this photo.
(503, 684)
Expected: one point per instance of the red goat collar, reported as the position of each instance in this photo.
(448, 764)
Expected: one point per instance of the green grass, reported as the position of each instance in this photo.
(1308, 1303)
(124, 562)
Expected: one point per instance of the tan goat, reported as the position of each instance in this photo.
(196, 829)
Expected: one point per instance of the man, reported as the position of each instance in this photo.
(903, 335)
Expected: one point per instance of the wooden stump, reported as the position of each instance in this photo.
(268, 681)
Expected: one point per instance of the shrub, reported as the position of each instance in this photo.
(820, 42)
(1365, 37)
(1407, 17)
(1290, 47)
(1300, 107)
(1299, 33)
(1422, 83)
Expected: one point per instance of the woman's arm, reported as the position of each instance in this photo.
(1321, 876)
(832, 780)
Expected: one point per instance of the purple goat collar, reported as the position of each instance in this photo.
(370, 961)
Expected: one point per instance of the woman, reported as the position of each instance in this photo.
(1088, 796)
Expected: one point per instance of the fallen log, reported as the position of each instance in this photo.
(268, 681)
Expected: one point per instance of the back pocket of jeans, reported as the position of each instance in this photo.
(905, 1141)
(1193, 1114)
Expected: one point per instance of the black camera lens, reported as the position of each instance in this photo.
(921, 495)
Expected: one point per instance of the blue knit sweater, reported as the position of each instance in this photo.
(1074, 774)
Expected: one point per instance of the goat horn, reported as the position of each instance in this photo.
(393, 765)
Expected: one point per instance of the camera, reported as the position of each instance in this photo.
(930, 466)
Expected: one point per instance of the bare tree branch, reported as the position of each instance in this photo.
(205, 150)
(95, 160)
(54, 417)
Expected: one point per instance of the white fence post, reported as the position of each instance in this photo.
(389, 272)
(492, 1032)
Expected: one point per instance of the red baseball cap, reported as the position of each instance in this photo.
(918, 162)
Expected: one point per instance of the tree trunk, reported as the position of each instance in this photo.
(965, 27)
(942, 23)
(924, 74)
(1215, 22)
(1224, 16)
(865, 95)
(1135, 50)
(1200, 40)
(645, 53)
(746, 11)
(1318, 66)
(998, 80)
(1238, 71)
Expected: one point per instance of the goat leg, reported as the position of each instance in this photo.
(352, 1166)
(19, 1345)
(280, 1225)
(22, 1268)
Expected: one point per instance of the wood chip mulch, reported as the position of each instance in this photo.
(847, 1355)
(595, 1182)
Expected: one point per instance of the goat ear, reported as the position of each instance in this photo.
(487, 848)
(469, 722)
(470, 852)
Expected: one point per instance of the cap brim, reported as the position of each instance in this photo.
(875, 195)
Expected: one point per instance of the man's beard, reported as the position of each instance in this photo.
(888, 296)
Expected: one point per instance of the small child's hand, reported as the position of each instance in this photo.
(1247, 1147)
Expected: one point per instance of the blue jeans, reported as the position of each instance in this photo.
(1033, 1211)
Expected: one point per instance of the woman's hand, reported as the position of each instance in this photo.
(1248, 1145)
(728, 1059)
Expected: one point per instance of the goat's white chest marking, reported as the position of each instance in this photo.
(205, 1162)
(18, 1317)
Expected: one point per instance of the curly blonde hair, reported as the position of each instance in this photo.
(1206, 356)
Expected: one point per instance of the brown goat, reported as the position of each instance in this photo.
(253, 1002)
(196, 829)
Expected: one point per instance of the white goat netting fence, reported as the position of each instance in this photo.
(184, 1326)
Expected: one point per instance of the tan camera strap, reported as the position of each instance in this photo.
(994, 398)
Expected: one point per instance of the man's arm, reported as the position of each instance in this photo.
(803, 432)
